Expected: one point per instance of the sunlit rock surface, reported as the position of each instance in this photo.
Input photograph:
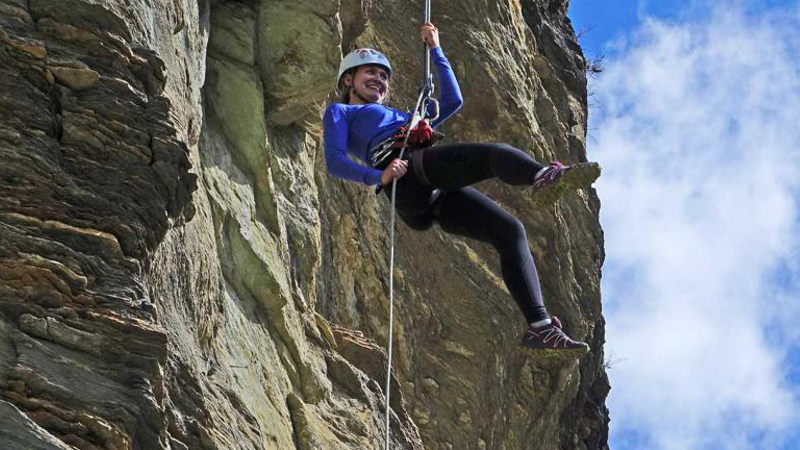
(178, 271)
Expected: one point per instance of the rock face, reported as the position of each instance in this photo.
(178, 271)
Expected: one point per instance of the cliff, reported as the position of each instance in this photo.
(178, 271)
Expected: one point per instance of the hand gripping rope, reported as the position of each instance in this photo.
(420, 112)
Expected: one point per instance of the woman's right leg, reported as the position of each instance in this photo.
(453, 166)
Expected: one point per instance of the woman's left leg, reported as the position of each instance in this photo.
(468, 212)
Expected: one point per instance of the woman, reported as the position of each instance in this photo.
(436, 188)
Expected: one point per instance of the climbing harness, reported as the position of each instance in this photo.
(421, 136)
(419, 116)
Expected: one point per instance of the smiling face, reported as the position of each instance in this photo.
(370, 84)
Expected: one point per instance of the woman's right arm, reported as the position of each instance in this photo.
(334, 133)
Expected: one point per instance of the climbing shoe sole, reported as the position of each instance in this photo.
(579, 176)
(559, 350)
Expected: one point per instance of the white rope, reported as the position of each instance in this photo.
(414, 120)
(391, 312)
(418, 114)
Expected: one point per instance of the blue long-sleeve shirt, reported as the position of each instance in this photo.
(355, 129)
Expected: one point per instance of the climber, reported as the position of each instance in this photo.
(433, 182)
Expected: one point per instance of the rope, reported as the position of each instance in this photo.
(414, 120)
(419, 111)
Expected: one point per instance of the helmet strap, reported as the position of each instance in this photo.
(353, 91)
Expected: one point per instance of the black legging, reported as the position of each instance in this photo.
(436, 188)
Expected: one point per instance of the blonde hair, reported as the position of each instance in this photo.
(342, 90)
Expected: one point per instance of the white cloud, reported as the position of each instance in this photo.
(698, 132)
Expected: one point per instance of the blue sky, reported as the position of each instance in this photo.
(601, 22)
(695, 121)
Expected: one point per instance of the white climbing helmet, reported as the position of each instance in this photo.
(362, 57)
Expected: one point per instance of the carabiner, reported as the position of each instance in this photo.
(435, 108)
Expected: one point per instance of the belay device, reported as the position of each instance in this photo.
(417, 128)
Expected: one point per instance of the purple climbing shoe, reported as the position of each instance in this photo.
(551, 336)
(559, 178)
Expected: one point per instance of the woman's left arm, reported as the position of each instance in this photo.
(450, 99)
